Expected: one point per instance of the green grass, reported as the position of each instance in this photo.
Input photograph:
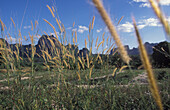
(41, 95)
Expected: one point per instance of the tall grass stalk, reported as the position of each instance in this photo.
(148, 68)
(5, 51)
(112, 30)
(52, 27)
(160, 16)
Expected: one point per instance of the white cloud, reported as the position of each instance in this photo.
(145, 3)
(141, 26)
(11, 40)
(140, 0)
(165, 2)
(75, 29)
(27, 27)
(127, 27)
(69, 28)
(152, 22)
(91, 3)
(99, 30)
(168, 19)
(58, 34)
(106, 29)
(53, 34)
(147, 22)
(82, 29)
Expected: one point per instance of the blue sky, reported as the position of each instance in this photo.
(81, 12)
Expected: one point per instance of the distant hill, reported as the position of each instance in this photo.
(46, 43)
(135, 51)
(50, 44)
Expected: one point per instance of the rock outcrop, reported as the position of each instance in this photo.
(49, 44)
(83, 52)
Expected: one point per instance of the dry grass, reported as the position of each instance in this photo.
(93, 22)
(52, 27)
(13, 22)
(114, 71)
(100, 44)
(123, 67)
(112, 30)
(51, 10)
(160, 15)
(125, 57)
(148, 68)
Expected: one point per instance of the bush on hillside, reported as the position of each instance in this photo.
(161, 54)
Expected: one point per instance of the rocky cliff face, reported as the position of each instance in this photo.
(83, 52)
(49, 44)
(23, 49)
(46, 43)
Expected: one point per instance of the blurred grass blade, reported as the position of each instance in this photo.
(148, 68)
(123, 67)
(160, 16)
(52, 27)
(114, 71)
(112, 30)
(120, 20)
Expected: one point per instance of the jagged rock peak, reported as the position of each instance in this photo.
(44, 40)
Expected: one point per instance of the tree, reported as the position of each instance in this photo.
(161, 54)
(136, 61)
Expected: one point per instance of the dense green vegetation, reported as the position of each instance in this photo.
(65, 91)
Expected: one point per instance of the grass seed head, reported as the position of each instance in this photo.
(93, 22)
(100, 44)
(51, 10)
(52, 27)
(97, 41)
(32, 27)
(85, 43)
(13, 22)
(112, 30)
(148, 68)
(160, 15)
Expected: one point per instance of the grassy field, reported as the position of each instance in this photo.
(119, 92)
(54, 77)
